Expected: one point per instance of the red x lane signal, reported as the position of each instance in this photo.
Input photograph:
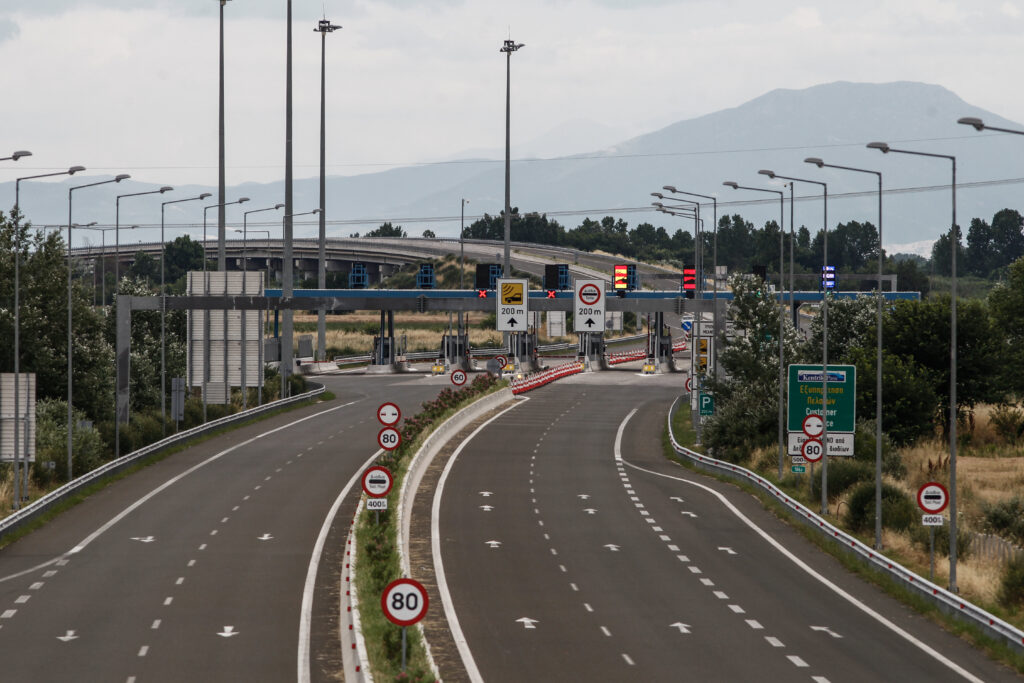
(481, 294)
(551, 294)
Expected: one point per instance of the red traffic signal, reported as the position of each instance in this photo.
(621, 277)
(689, 278)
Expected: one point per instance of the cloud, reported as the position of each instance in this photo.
(8, 30)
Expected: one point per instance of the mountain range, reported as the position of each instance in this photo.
(775, 131)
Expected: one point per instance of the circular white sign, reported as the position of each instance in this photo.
(813, 426)
(404, 602)
(377, 481)
(689, 384)
(502, 361)
(389, 414)
(389, 438)
(589, 294)
(458, 378)
(812, 450)
(933, 498)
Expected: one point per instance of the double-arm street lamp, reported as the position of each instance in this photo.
(287, 289)
(980, 125)
(954, 243)
(17, 321)
(71, 190)
(17, 155)
(242, 200)
(323, 28)
(782, 308)
(117, 225)
(245, 235)
(163, 310)
(508, 47)
(878, 359)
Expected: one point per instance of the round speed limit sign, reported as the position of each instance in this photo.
(404, 602)
(458, 378)
(812, 450)
(389, 438)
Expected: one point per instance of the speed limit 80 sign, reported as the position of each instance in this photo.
(389, 438)
(404, 602)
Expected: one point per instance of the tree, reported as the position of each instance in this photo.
(942, 253)
(181, 256)
(978, 259)
(429, 234)
(1007, 237)
(387, 230)
(1006, 303)
(145, 267)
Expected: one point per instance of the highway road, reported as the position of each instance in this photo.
(570, 549)
(198, 567)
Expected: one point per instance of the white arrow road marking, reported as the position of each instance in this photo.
(677, 499)
(611, 546)
(493, 544)
(688, 513)
(583, 496)
(143, 539)
(730, 551)
(589, 511)
(486, 508)
(827, 630)
(264, 537)
(527, 622)
(228, 632)
(486, 493)
(68, 637)
(683, 628)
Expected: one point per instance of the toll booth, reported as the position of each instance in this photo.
(385, 351)
(523, 347)
(454, 351)
(659, 343)
(591, 349)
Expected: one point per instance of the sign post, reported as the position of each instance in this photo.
(377, 483)
(404, 602)
(589, 306)
(933, 499)
(512, 304)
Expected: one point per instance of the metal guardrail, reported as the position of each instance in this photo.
(948, 602)
(40, 506)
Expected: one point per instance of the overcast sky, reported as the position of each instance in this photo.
(130, 86)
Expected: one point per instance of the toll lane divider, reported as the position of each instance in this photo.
(33, 510)
(948, 602)
(539, 379)
(432, 445)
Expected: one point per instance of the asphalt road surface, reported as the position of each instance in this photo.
(573, 550)
(195, 568)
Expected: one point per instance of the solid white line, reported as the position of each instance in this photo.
(924, 647)
(306, 613)
(435, 543)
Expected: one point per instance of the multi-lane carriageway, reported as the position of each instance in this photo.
(569, 550)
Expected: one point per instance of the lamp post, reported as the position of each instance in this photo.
(163, 311)
(462, 252)
(782, 316)
(980, 125)
(17, 321)
(17, 155)
(323, 28)
(714, 258)
(508, 48)
(878, 355)
(287, 289)
(954, 242)
(71, 190)
(220, 150)
(117, 223)
(245, 268)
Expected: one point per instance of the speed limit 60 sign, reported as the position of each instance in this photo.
(404, 602)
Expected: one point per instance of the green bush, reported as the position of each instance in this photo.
(88, 450)
(1008, 422)
(919, 535)
(1011, 589)
(1005, 519)
(842, 474)
(898, 510)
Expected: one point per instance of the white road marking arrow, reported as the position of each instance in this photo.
(143, 539)
(493, 544)
(688, 513)
(827, 630)
(683, 628)
(527, 622)
(583, 496)
(727, 550)
(264, 537)
(486, 493)
(611, 546)
(68, 637)
(677, 499)
(589, 511)
(228, 632)
(486, 508)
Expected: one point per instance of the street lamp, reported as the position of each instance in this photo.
(954, 242)
(782, 308)
(17, 321)
(980, 125)
(163, 311)
(242, 200)
(117, 238)
(287, 289)
(245, 234)
(17, 155)
(462, 252)
(508, 48)
(323, 28)
(878, 359)
(220, 149)
(71, 190)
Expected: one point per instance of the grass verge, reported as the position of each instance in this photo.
(996, 649)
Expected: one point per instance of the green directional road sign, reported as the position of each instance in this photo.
(707, 404)
(805, 396)
(797, 469)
